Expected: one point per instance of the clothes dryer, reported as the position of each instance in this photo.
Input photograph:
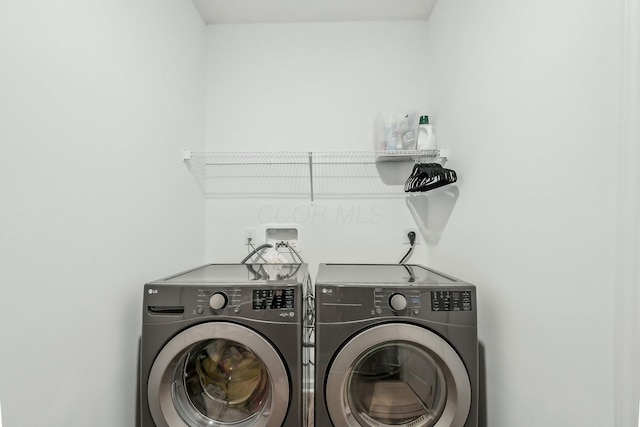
(395, 345)
(222, 346)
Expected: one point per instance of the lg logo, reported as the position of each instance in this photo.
(153, 291)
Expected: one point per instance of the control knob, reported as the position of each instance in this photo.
(398, 302)
(218, 301)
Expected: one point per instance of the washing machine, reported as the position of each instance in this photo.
(395, 345)
(221, 346)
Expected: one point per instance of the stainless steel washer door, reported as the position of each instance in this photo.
(218, 374)
(398, 375)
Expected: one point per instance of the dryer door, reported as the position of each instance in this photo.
(218, 374)
(398, 375)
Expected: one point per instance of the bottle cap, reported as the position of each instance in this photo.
(424, 120)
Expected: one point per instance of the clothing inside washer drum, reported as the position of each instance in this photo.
(397, 384)
(224, 381)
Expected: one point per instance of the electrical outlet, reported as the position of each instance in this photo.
(249, 235)
(405, 232)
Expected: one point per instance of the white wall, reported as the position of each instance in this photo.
(311, 87)
(529, 94)
(628, 227)
(98, 100)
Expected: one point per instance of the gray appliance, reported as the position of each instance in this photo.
(395, 345)
(222, 346)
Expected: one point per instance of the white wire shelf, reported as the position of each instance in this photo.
(304, 157)
(305, 173)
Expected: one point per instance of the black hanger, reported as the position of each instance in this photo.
(428, 176)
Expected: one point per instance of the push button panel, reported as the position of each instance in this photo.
(451, 300)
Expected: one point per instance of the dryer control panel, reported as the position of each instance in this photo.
(451, 300)
(385, 299)
(336, 303)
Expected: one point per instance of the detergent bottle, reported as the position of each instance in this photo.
(426, 135)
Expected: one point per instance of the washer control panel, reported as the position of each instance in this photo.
(277, 303)
(216, 300)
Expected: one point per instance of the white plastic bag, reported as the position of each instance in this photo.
(396, 130)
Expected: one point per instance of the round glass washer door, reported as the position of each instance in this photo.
(398, 375)
(218, 374)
